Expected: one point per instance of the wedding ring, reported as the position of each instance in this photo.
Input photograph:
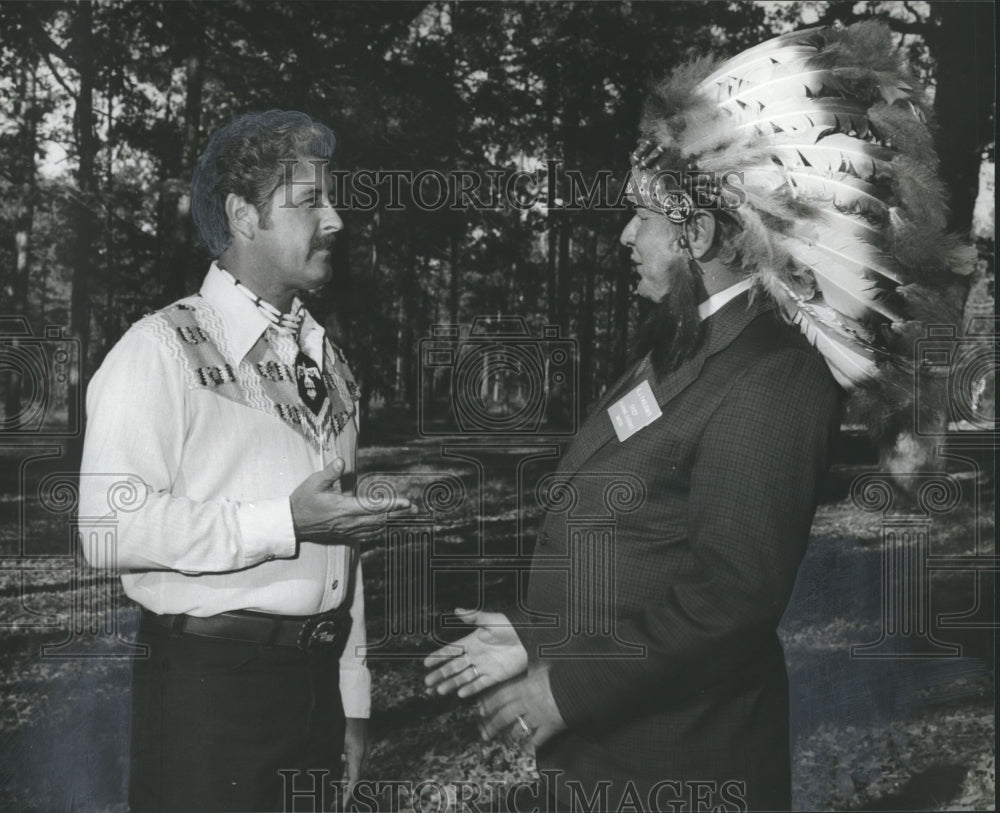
(524, 726)
(475, 671)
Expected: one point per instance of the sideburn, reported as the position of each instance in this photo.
(673, 332)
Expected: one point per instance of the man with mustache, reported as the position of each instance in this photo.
(235, 418)
(784, 204)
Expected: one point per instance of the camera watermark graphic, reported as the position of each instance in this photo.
(497, 379)
(964, 366)
(36, 374)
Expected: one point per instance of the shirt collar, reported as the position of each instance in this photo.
(720, 298)
(243, 324)
(311, 338)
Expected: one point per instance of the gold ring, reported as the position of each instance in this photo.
(524, 726)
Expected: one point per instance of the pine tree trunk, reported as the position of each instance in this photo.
(454, 278)
(25, 178)
(178, 267)
(552, 215)
(963, 47)
(585, 329)
(623, 293)
(85, 227)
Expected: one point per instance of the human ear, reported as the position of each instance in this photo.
(241, 216)
(701, 234)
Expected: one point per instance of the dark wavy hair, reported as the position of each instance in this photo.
(244, 157)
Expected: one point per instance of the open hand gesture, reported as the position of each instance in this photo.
(322, 513)
(489, 655)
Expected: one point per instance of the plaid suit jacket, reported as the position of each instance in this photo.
(663, 567)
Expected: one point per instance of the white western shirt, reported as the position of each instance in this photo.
(214, 531)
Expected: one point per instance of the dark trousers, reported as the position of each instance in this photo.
(214, 721)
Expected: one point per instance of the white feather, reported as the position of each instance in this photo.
(845, 286)
(834, 153)
(850, 242)
(789, 60)
(850, 359)
(803, 38)
(795, 115)
(782, 85)
(842, 190)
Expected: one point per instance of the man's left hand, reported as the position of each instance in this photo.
(355, 752)
(524, 706)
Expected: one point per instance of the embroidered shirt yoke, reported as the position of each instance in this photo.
(198, 404)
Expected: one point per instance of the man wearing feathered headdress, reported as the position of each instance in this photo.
(789, 225)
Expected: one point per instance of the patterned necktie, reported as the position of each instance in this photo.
(312, 390)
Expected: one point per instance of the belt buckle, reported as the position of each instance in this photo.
(322, 631)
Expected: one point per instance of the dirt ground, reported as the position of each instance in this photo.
(878, 722)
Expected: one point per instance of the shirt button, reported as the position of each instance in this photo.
(335, 585)
(269, 557)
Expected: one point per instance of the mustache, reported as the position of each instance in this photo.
(322, 242)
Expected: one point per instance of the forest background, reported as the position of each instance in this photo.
(106, 106)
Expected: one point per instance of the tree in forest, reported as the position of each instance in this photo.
(126, 92)
(25, 105)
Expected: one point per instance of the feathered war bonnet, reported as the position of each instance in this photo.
(816, 145)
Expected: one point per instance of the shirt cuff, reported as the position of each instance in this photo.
(356, 690)
(266, 530)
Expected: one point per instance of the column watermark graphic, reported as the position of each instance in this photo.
(587, 558)
(415, 559)
(94, 586)
(963, 365)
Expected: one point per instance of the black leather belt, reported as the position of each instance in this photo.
(306, 632)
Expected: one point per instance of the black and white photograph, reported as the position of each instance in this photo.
(466, 406)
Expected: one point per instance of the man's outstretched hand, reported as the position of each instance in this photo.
(489, 655)
(322, 513)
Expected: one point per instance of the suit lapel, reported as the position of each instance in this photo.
(723, 328)
(597, 431)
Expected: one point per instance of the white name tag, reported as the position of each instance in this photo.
(635, 410)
